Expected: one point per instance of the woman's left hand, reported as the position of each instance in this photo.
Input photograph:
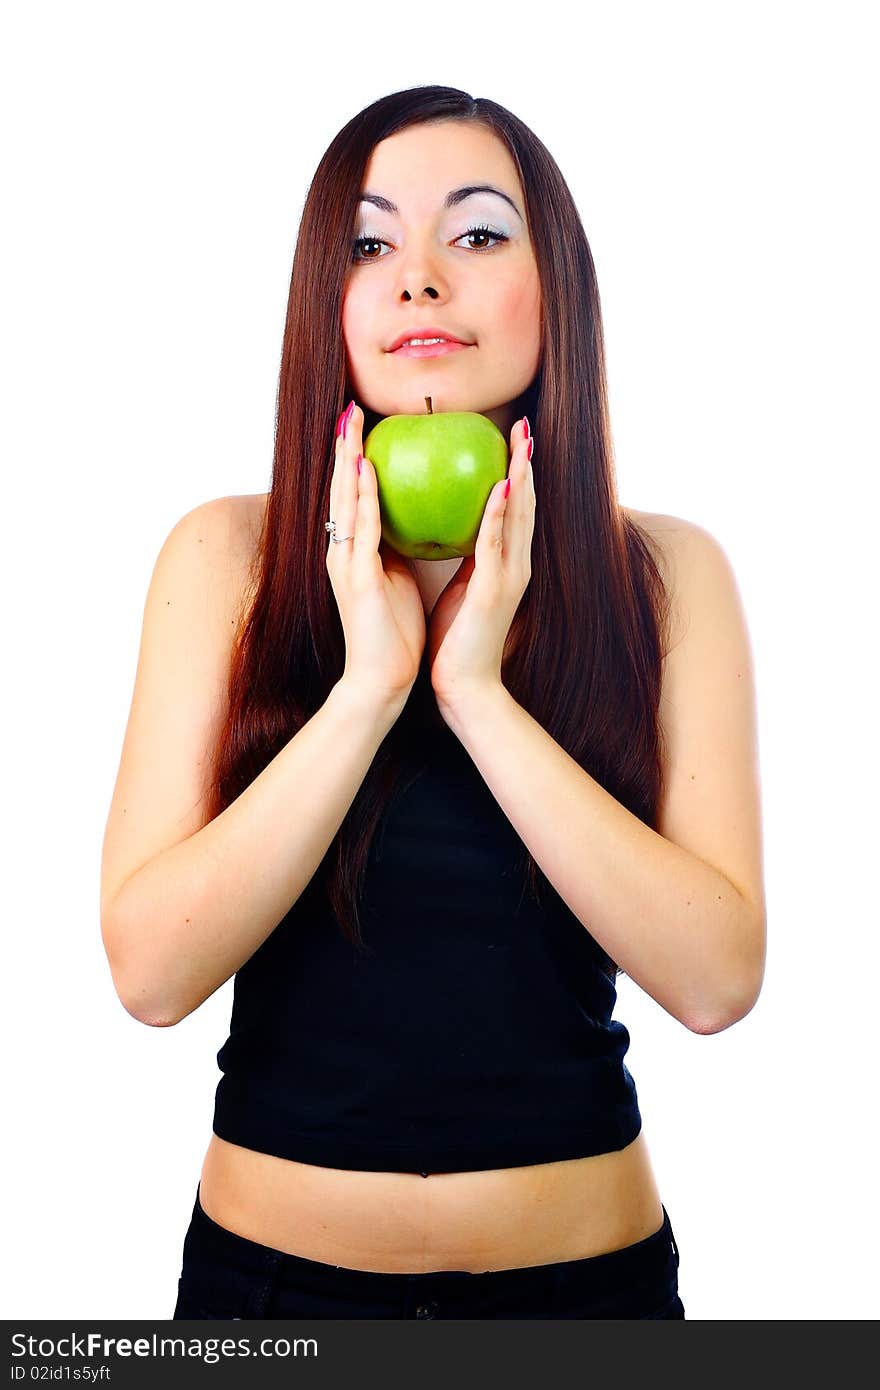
(470, 621)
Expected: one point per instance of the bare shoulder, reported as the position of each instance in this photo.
(251, 512)
(670, 540)
(251, 509)
(245, 519)
(666, 533)
(214, 546)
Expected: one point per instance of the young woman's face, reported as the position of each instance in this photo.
(420, 269)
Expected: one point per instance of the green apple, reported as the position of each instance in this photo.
(434, 474)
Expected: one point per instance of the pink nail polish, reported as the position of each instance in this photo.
(507, 489)
(339, 423)
(530, 449)
(526, 430)
(348, 415)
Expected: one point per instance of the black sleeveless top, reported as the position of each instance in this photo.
(474, 1031)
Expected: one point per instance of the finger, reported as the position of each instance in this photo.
(528, 530)
(334, 478)
(519, 520)
(346, 520)
(346, 480)
(518, 432)
(490, 537)
(334, 471)
(368, 532)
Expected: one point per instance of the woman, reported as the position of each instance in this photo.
(422, 808)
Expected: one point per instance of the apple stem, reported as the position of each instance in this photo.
(428, 404)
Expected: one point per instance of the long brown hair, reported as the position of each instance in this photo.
(591, 677)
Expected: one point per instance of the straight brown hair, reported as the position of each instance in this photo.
(591, 677)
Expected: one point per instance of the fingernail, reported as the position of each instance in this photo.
(339, 423)
(348, 415)
(526, 430)
(507, 489)
(530, 449)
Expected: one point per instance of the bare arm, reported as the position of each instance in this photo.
(190, 917)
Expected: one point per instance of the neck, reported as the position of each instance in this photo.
(432, 576)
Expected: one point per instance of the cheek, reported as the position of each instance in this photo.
(517, 316)
(349, 315)
(517, 304)
(358, 319)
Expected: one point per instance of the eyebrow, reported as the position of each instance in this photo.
(452, 199)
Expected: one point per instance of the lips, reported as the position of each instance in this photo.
(427, 333)
(445, 348)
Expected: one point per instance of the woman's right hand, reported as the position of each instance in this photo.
(381, 608)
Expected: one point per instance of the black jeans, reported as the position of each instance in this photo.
(225, 1275)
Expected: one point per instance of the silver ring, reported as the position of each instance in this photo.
(331, 527)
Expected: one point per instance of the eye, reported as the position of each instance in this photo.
(484, 231)
(368, 240)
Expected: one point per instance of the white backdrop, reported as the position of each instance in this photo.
(156, 161)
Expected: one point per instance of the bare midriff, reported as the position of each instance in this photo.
(499, 1218)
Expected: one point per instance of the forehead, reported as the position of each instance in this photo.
(416, 167)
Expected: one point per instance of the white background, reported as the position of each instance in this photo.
(156, 159)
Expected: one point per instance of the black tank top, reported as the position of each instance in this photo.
(475, 1031)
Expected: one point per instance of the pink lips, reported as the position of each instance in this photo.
(430, 349)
